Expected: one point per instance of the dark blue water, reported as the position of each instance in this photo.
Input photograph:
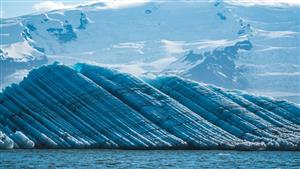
(146, 159)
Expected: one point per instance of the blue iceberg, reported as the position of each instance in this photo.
(88, 106)
(241, 114)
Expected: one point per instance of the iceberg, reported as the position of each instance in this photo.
(5, 142)
(245, 118)
(87, 106)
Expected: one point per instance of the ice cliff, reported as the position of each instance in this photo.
(87, 106)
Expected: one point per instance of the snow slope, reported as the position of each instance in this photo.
(156, 37)
(100, 34)
(215, 67)
(97, 107)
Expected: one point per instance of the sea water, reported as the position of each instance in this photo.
(147, 159)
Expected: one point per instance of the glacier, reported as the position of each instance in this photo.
(88, 106)
(156, 37)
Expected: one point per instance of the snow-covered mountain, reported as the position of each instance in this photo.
(254, 48)
(215, 67)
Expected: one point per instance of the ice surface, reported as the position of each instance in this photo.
(88, 106)
(5, 141)
(250, 120)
